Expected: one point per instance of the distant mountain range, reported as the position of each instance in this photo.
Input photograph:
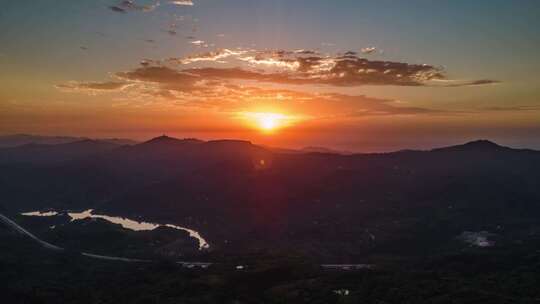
(241, 196)
(15, 140)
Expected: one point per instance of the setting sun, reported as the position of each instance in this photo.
(267, 122)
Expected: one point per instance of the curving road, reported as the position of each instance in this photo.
(20, 229)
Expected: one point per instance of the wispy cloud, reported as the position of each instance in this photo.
(368, 50)
(197, 42)
(130, 5)
(464, 83)
(117, 9)
(92, 87)
(182, 2)
(511, 108)
(215, 56)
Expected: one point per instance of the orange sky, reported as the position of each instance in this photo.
(222, 71)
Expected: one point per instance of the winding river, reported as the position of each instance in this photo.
(124, 222)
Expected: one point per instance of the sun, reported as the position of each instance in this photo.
(267, 122)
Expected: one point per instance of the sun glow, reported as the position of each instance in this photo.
(269, 121)
(266, 121)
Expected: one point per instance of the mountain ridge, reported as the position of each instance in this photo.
(15, 140)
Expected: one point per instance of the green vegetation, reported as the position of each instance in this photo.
(30, 274)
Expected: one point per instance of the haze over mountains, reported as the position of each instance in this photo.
(15, 140)
(243, 197)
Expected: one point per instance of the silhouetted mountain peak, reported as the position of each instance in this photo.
(84, 141)
(164, 139)
(476, 145)
(482, 144)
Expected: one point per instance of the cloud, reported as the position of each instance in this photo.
(117, 9)
(130, 5)
(311, 67)
(297, 67)
(326, 71)
(92, 87)
(368, 50)
(327, 106)
(158, 74)
(182, 2)
(165, 85)
(511, 109)
(233, 79)
(215, 56)
(368, 106)
(482, 82)
(479, 82)
(464, 83)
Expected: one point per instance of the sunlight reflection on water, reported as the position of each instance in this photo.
(124, 222)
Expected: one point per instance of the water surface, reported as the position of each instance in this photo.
(124, 222)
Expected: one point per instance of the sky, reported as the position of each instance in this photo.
(350, 75)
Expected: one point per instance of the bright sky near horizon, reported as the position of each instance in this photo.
(352, 75)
